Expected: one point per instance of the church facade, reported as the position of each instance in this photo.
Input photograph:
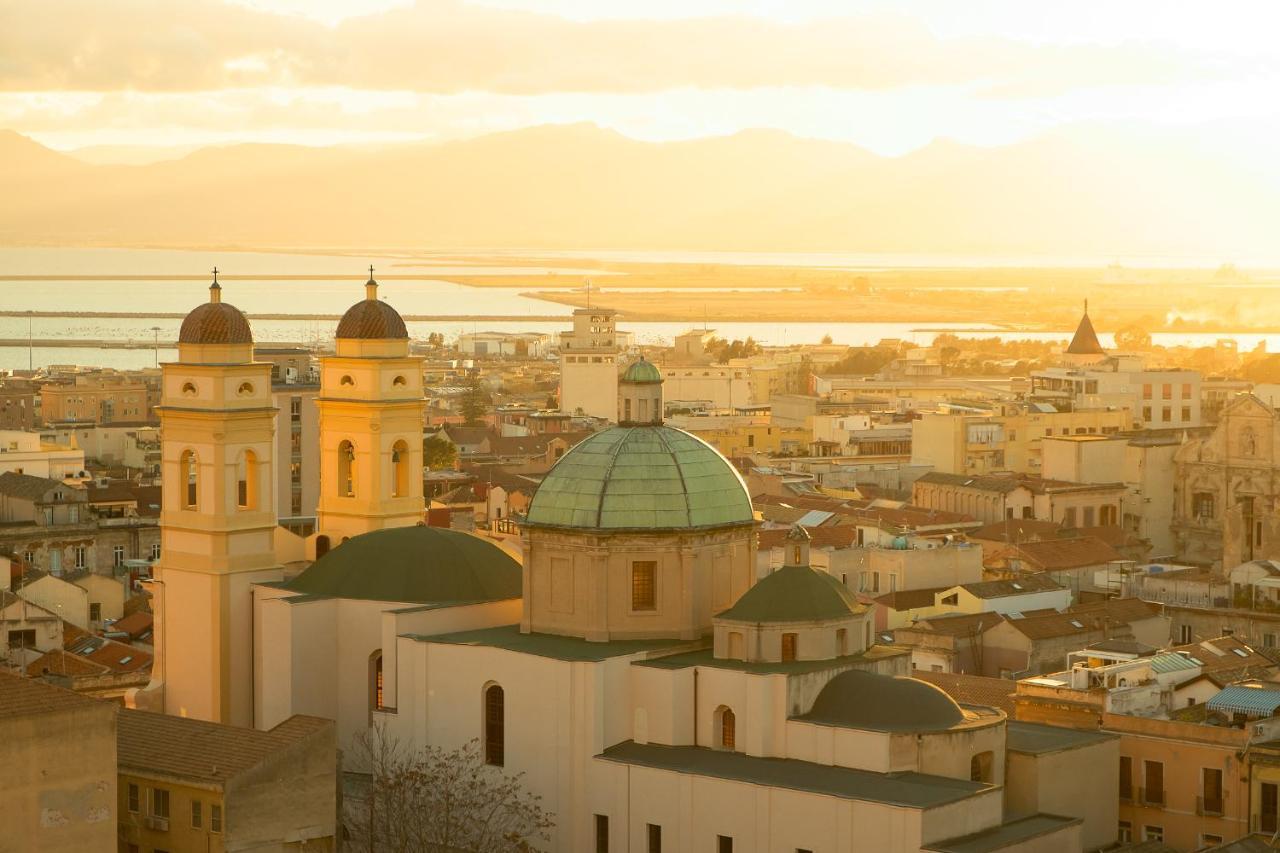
(654, 690)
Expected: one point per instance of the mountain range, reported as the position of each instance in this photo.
(1073, 193)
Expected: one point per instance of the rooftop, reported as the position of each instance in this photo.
(866, 700)
(21, 697)
(794, 594)
(1004, 836)
(550, 645)
(973, 689)
(912, 790)
(1038, 739)
(184, 748)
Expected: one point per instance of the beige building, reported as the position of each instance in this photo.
(189, 785)
(297, 453)
(100, 398)
(991, 499)
(589, 357)
(370, 424)
(218, 521)
(29, 453)
(58, 751)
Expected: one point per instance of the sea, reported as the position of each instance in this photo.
(172, 281)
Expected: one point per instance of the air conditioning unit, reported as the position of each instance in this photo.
(1259, 730)
(160, 824)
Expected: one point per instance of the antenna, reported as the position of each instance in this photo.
(588, 293)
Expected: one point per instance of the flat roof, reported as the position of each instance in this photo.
(1005, 835)
(1039, 739)
(706, 657)
(913, 790)
(548, 645)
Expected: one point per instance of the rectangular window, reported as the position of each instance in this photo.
(1088, 516)
(602, 833)
(117, 556)
(1069, 517)
(95, 611)
(1166, 391)
(1166, 414)
(644, 585)
(1146, 391)
(80, 554)
(1186, 413)
(655, 838)
(197, 818)
(1203, 504)
(1184, 634)
(155, 550)
(133, 797)
(159, 802)
(215, 817)
(1146, 414)
(1125, 835)
(1126, 778)
(724, 844)
(1186, 390)
(789, 647)
(1153, 787)
(1208, 840)
(25, 639)
(1211, 786)
(1153, 833)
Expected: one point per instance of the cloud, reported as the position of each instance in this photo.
(450, 46)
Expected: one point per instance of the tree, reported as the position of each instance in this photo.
(1133, 337)
(438, 453)
(826, 339)
(440, 801)
(474, 402)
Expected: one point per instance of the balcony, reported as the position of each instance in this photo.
(1126, 795)
(1209, 806)
(1154, 799)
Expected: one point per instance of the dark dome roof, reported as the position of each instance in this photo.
(215, 323)
(416, 565)
(867, 700)
(372, 319)
(794, 594)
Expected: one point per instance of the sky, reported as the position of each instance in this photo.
(889, 76)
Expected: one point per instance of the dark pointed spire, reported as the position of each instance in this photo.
(1085, 340)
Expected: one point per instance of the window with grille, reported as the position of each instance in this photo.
(644, 593)
(494, 723)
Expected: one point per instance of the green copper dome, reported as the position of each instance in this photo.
(642, 372)
(641, 478)
(794, 594)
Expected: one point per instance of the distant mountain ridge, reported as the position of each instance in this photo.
(583, 187)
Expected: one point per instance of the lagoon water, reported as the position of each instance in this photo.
(320, 295)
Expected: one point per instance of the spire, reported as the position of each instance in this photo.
(370, 286)
(1085, 340)
(215, 289)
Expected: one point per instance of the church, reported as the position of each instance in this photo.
(626, 658)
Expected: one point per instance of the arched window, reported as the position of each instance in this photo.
(399, 469)
(375, 681)
(346, 470)
(842, 642)
(245, 389)
(322, 545)
(398, 381)
(247, 480)
(346, 380)
(980, 767)
(494, 723)
(189, 470)
(188, 389)
(726, 728)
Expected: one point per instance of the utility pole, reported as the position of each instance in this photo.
(155, 330)
(31, 360)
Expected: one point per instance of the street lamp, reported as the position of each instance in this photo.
(155, 330)
(31, 359)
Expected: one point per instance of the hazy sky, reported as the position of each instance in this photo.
(888, 75)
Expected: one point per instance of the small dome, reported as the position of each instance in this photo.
(641, 478)
(416, 565)
(642, 373)
(794, 594)
(867, 700)
(372, 319)
(215, 322)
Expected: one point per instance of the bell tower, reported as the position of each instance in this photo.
(370, 407)
(217, 518)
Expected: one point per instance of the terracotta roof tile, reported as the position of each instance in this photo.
(1060, 554)
(20, 697)
(215, 323)
(186, 748)
(973, 689)
(372, 319)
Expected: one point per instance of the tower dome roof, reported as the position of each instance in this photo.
(642, 372)
(418, 565)
(866, 700)
(794, 594)
(215, 322)
(371, 318)
(641, 478)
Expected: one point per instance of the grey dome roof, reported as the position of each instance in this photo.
(642, 373)
(641, 478)
(414, 565)
(794, 594)
(867, 700)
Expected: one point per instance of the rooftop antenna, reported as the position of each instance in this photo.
(588, 293)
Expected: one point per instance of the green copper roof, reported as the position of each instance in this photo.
(794, 594)
(641, 478)
(414, 565)
(642, 371)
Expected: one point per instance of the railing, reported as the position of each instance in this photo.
(1151, 798)
(1209, 806)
